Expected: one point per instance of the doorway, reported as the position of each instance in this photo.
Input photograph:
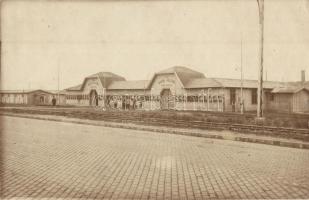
(93, 101)
(167, 101)
(233, 99)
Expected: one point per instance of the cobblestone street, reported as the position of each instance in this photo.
(46, 159)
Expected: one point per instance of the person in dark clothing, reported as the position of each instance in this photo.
(123, 104)
(54, 101)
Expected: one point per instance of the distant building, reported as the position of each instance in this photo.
(31, 97)
(289, 99)
(181, 88)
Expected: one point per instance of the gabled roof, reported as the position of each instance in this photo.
(288, 89)
(104, 74)
(76, 87)
(184, 74)
(188, 79)
(43, 91)
(202, 83)
(236, 83)
(14, 91)
(106, 78)
(228, 83)
(179, 70)
(193, 79)
(24, 91)
(128, 85)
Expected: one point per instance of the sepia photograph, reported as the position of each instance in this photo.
(157, 99)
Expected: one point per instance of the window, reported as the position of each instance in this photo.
(254, 96)
(180, 98)
(205, 98)
(272, 97)
(210, 99)
(214, 99)
(192, 98)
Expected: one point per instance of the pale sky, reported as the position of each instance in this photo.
(137, 38)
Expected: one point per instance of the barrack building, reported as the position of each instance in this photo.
(181, 88)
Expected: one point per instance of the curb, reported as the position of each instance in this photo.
(177, 132)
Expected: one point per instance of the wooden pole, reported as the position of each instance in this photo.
(242, 82)
(208, 99)
(217, 96)
(203, 107)
(58, 82)
(260, 78)
(150, 98)
(185, 101)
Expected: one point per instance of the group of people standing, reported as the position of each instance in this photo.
(124, 103)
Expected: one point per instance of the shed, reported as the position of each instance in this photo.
(290, 99)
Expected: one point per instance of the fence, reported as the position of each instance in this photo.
(171, 102)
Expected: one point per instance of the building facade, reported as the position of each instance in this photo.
(31, 97)
(180, 88)
(289, 99)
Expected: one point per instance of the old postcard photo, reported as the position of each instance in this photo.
(159, 99)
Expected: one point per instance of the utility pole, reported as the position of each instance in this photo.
(241, 82)
(104, 94)
(23, 96)
(266, 74)
(261, 50)
(58, 80)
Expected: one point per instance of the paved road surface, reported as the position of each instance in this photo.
(45, 159)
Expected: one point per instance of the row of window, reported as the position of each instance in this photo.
(11, 95)
(9, 99)
(178, 98)
(79, 97)
(253, 96)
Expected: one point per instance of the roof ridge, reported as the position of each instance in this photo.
(129, 80)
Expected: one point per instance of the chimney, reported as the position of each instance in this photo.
(303, 76)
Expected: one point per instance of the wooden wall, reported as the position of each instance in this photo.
(300, 101)
(281, 102)
(13, 98)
